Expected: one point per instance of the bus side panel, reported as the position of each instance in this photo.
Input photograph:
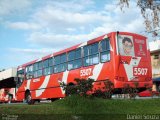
(50, 88)
(102, 71)
(20, 96)
(20, 93)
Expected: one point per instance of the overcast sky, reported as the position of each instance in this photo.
(30, 29)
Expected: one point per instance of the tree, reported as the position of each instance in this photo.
(150, 10)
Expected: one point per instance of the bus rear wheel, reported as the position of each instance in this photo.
(29, 99)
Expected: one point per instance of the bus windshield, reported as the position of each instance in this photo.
(131, 46)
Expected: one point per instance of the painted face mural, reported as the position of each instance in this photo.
(126, 45)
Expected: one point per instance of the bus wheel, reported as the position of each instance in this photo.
(29, 99)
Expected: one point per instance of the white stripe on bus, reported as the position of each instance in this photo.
(43, 86)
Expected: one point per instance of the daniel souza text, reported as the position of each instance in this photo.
(143, 117)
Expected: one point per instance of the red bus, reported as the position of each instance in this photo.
(7, 95)
(121, 57)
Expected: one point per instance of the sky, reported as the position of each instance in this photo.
(31, 29)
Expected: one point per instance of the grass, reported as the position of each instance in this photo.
(76, 107)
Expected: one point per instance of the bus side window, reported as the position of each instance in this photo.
(91, 54)
(37, 69)
(105, 50)
(60, 63)
(48, 66)
(74, 59)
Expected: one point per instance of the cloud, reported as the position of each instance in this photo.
(13, 6)
(130, 19)
(57, 17)
(57, 41)
(84, 25)
(24, 25)
(61, 19)
(61, 41)
(55, 25)
(136, 26)
(32, 51)
(58, 24)
(14, 57)
(110, 7)
(72, 5)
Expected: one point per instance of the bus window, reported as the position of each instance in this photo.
(50, 61)
(91, 54)
(105, 50)
(74, 59)
(60, 63)
(48, 66)
(20, 76)
(37, 69)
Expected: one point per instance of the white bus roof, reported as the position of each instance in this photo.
(9, 73)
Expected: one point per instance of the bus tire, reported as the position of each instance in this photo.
(29, 99)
